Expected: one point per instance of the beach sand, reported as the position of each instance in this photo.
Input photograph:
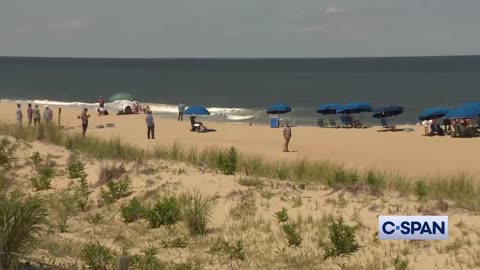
(409, 153)
(243, 213)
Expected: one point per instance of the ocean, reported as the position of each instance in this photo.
(239, 90)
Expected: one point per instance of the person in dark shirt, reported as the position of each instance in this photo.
(150, 126)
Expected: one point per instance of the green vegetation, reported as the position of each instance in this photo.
(82, 194)
(76, 169)
(250, 182)
(227, 162)
(36, 159)
(22, 219)
(7, 150)
(165, 212)
(421, 191)
(461, 188)
(282, 215)
(292, 234)
(132, 211)
(399, 264)
(196, 212)
(43, 179)
(98, 257)
(116, 190)
(342, 239)
(375, 182)
(234, 251)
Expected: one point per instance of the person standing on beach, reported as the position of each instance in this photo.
(36, 116)
(29, 114)
(181, 111)
(47, 115)
(19, 114)
(150, 126)
(101, 102)
(287, 135)
(84, 117)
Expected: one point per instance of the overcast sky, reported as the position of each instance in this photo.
(238, 28)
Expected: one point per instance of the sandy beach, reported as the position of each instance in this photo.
(409, 153)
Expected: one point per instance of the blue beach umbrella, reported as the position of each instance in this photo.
(387, 111)
(433, 113)
(328, 108)
(197, 110)
(468, 110)
(355, 107)
(279, 109)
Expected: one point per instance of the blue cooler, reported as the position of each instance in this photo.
(274, 121)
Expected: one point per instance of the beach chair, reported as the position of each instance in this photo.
(386, 126)
(347, 121)
(358, 124)
(333, 124)
(194, 123)
(320, 123)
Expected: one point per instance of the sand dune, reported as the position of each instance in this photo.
(409, 153)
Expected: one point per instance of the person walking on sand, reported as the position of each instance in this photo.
(29, 114)
(150, 126)
(36, 116)
(181, 111)
(84, 117)
(19, 114)
(287, 135)
(47, 115)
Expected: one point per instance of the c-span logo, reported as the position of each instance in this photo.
(413, 227)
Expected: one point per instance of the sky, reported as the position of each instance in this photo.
(238, 28)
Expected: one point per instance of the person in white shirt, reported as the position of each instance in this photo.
(19, 114)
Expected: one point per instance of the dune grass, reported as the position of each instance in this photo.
(462, 189)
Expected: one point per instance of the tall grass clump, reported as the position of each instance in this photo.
(342, 239)
(132, 211)
(166, 211)
(43, 179)
(343, 178)
(116, 190)
(97, 257)
(227, 162)
(22, 219)
(76, 169)
(421, 190)
(109, 172)
(7, 153)
(196, 211)
(375, 181)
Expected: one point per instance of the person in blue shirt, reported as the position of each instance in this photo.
(150, 125)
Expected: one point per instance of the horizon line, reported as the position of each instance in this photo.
(241, 58)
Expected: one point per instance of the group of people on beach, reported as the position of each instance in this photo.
(449, 126)
(34, 115)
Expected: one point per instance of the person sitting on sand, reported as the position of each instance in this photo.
(197, 126)
(447, 125)
(135, 106)
(426, 124)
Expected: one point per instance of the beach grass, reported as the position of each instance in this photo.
(462, 189)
